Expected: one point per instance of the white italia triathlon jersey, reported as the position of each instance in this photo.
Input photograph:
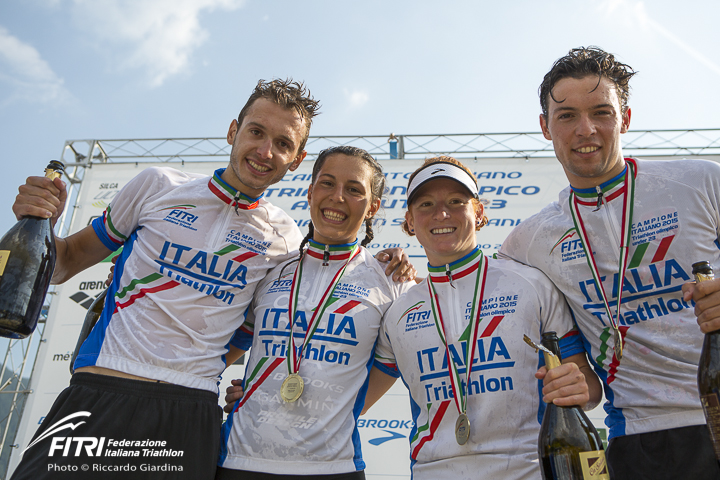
(675, 223)
(187, 272)
(505, 407)
(316, 434)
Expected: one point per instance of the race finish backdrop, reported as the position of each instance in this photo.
(513, 189)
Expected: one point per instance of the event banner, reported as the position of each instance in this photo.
(512, 188)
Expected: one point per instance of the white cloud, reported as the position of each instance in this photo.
(29, 75)
(356, 98)
(160, 35)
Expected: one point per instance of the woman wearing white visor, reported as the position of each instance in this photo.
(475, 310)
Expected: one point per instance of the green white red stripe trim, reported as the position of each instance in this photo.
(428, 430)
(231, 196)
(625, 236)
(293, 357)
(255, 384)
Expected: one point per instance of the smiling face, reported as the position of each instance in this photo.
(340, 199)
(584, 125)
(444, 217)
(264, 147)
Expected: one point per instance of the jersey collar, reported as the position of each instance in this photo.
(458, 269)
(337, 252)
(229, 195)
(611, 189)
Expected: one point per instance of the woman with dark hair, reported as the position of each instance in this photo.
(313, 325)
(472, 310)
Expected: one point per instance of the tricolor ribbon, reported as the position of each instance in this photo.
(293, 357)
(460, 396)
(625, 236)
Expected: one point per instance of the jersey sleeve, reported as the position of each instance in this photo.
(520, 244)
(515, 246)
(243, 336)
(397, 289)
(286, 232)
(556, 316)
(571, 344)
(384, 355)
(122, 216)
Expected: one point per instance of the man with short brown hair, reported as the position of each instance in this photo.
(194, 248)
(645, 222)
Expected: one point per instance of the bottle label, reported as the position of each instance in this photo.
(4, 255)
(711, 406)
(594, 466)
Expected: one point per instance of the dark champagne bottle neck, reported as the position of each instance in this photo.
(27, 260)
(54, 169)
(703, 272)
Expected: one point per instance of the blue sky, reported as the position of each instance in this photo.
(82, 69)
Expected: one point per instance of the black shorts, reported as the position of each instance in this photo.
(129, 429)
(673, 454)
(230, 474)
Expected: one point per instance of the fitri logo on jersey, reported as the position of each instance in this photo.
(179, 215)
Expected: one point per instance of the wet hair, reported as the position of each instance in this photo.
(583, 62)
(377, 187)
(445, 159)
(288, 94)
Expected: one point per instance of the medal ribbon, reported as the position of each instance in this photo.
(293, 359)
(455, 381)
(625, 235)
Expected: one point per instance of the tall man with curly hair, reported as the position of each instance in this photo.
(645, 222)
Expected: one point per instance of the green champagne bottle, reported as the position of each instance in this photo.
(27, 261)
(569, 446)
(709, 368)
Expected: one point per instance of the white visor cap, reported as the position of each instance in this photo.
(440, 170)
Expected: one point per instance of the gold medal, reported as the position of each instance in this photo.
(462, 429)
(292, 388)
(618, 345)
